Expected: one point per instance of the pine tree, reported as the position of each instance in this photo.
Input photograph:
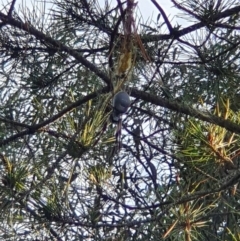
(168, 170)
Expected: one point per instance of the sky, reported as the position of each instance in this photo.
(146, 7)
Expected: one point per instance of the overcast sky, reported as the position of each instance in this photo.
(146, 7)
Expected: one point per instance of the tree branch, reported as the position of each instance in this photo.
(170, 28)
(187, 30)
(172, 105)
(56, 44)
(34, 128)
(180, 107)
(11, 8)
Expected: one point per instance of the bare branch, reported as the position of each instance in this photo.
(11, 8)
